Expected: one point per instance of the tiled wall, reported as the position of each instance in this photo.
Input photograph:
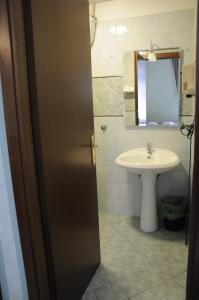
(119, 191)
(167, 30)
(108, 98)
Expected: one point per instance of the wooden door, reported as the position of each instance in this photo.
(58, 49)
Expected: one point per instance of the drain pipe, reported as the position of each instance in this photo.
(188, 131)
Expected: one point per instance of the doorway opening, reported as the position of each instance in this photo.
(138, 264)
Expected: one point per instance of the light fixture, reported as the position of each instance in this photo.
(152, 55)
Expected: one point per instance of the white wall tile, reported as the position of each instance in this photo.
(180, 143)
(164, 23)
(110, 141)
(99, 141)
(112, 174)
(144, 25)
(118, 206)
(112, 124)
(100, 189)
(167, 30)
(99, 157)
(100, 173)
(111, 190)
(110, 157)
(98, 122)
(120, 191)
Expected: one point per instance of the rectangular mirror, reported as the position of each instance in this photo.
(152, 87)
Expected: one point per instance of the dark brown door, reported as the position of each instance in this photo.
(58, 48)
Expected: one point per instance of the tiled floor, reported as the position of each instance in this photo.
(138, 265)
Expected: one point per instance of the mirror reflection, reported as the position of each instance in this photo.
(158, 89)
(152, 87)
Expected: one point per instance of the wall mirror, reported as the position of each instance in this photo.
(152, 87)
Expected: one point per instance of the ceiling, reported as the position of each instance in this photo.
(119, 9)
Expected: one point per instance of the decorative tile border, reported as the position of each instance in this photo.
(108, 98)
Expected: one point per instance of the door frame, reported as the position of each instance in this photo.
(13, 67)
(15, 88)
(193, 258)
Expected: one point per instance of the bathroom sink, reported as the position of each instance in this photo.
(148, 162)
(139, 161)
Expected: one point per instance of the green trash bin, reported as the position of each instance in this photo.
(173, 212)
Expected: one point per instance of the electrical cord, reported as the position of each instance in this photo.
(95, 28)
(188, 130)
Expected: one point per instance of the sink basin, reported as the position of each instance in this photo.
(148, 165)
(139, 162)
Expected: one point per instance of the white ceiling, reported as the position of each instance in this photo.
(119, 9)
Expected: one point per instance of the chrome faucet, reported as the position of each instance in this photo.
(149, 149)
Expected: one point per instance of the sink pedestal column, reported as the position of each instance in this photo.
(149, 216)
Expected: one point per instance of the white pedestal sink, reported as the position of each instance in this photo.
(148, 166)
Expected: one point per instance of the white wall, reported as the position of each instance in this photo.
(119, 191)
(12, 275)
(175, 29)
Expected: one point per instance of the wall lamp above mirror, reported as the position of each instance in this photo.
(152, 86)
(150, 54)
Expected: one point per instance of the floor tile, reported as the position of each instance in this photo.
(102, 277)
(170, 290)
(138, 265)
(89, 295)
(147, 295)
(181, 280)
(110, 292)
(133, 286)
(165, 291)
